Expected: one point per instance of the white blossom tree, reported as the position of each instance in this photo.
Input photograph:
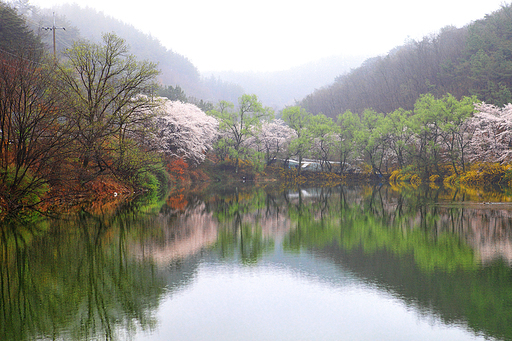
(183, 130)
(272, 139)
(492, 138)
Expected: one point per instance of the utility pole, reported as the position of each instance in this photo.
(53, 28)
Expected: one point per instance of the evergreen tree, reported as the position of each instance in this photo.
(14, 33)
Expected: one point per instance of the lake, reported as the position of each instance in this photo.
(264, 262)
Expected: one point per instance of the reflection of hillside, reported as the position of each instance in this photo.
(409, 245)
(399, 275)
(423, 252)
(78, 282)
(440, 259)
(463, 298)
(486, 228)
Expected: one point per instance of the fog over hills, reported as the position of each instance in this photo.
(274, 89)
(281, 88)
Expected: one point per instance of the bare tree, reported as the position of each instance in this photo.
(33, 133)
(103, 84)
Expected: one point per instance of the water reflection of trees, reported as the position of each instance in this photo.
(240, 215)
(438, 235)
(77, 281)
(103, 274)
(408, 242)
(423, 250)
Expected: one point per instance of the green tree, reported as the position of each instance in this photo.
(322, 130)
(371, 139)
(397, 124)
(238, 124)
(457, 131)
(443, 131)
(104, 85)
(299, 119)
(426, 123)
(348, 126)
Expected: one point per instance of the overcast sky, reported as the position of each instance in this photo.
(271, 35)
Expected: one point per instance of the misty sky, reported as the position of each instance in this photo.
(270, 35)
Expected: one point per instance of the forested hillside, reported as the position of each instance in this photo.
(473, 60)
(90, 121)
(175, 69)
(275, 89)
(14, 33)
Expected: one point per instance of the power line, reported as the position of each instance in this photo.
(59, 39)
(54, 28)
(63, 42)
(20, 57)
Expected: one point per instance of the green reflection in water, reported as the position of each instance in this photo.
(240, 232)
(77, 282)
(380, 222)
(413, 247)
(85, 278)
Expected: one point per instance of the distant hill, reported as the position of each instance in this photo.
(175, 68)
(472, 60)
(275, 89)
(281, 88)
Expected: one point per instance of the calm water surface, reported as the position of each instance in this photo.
(249, 263)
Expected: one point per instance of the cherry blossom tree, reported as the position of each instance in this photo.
(272, 139)
(493, 133)
(183, 130)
